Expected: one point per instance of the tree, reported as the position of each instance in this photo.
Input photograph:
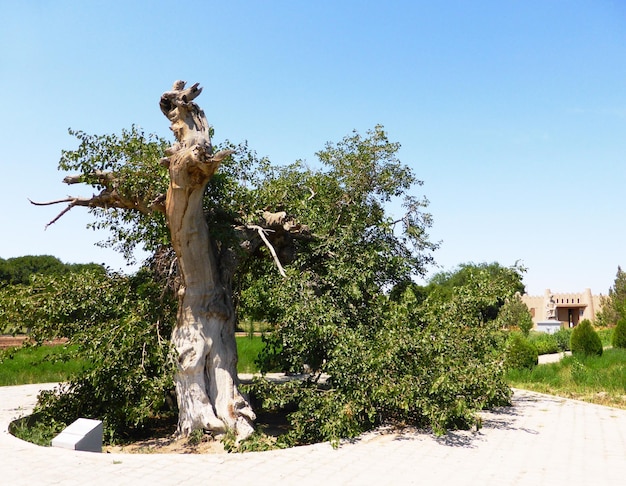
(585, 339)
(219, 223)
(514, 313)
(613, 307)
(18, 270)
(619, 334)
(507, 280)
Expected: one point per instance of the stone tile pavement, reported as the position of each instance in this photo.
(541, 440)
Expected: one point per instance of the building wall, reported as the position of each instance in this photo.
(569, 308)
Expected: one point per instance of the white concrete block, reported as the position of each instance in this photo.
(82, 435)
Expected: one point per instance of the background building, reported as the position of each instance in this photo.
(569, 309)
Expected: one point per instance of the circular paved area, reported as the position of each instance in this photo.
(541, 440)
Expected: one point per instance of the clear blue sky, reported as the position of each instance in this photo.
(513, 113)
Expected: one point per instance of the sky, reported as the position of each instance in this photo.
(512, 113)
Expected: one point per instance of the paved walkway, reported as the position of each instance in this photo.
(541, 440)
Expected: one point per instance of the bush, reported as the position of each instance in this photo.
(545, 343)
(562, 338)
(521, 353)
(551, 343)
(585, 339)
(619, 334)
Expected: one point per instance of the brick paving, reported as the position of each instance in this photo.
(541, 440)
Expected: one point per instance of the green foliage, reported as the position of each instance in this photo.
(19, 270)
(196, 437)
(53, 306)
(585, 339)
(578, 371)
(551, 343)
(430, 360)
(520, 353)
(134, 158)
(606, 336)
(32, 429)
(431, 366)
(563, 338)
(443, 284)
(123, 333)
(619, 334)
(258, 441)
(358, 252)
(613, 307)
(515, 314)
(544, 343)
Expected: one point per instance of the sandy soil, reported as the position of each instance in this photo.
(168, 445)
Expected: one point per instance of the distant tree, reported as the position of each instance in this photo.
(619, 334)
(515, 313)
(613, 307)
(442, 284)
(18, 270)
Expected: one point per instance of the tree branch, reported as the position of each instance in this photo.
(104, 178)
(105, 200)
(261, 231)
(73, 201)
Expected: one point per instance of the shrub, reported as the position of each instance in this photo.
(578, 372)
(521, 353)
(585, 339)
(514, 313)
(545, 343)
(562, 338)
(619, 334)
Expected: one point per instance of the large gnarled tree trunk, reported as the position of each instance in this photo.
(204, 336)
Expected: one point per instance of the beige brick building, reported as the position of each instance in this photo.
(569, 309)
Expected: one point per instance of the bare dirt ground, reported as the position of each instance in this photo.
(162, 440)
(169, 445)
(7, 341)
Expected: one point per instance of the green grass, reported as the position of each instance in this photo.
(44, 364)
(596, 379)
(606, 335)
(51, 364)
(248, 348)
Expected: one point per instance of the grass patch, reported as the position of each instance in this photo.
(43, 364)
(52, 364)
(595, 379)
(248, 348)
(606, 335)
(31, 429)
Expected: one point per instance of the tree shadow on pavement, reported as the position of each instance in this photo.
(500, 418)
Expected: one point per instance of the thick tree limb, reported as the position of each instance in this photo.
(105, 178)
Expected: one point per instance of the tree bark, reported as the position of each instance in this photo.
(204, 335)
